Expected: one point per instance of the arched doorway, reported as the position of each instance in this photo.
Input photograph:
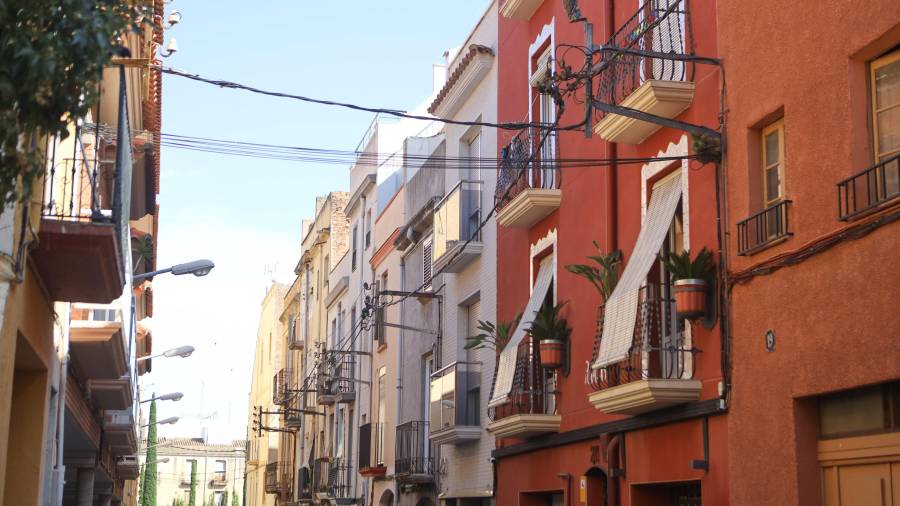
(596, 487)
(387, 498)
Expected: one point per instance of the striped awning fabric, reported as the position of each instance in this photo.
(621, 308)
(506, 365)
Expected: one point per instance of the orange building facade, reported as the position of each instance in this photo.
(812, 163)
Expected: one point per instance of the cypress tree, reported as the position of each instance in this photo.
(142, 484)
(234, 497)
(192, 501)
(148, 480)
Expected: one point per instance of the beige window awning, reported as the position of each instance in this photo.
(506, 364)
(621, 308)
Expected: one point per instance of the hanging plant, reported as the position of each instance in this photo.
(551, 330)
(692, 280)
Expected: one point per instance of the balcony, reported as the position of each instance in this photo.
(869, 190)
(456, 404)
(520, 10)
(85, 209)
(764, 229)
(295, 333)
(414, 457)
(97, 344)
(293, 411)
(658, 85)
(658, 370)
(120, 432)
(457, 238)
(128, 467)
(219, 479)
(281, 387)
(336, 378)
(531, 408)
(279, 478)
(528, 184)
(339, 483)
(371, 450)
(320, 470)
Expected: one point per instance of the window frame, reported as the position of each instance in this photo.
(428, 262)
(874, 66)
(776, 126)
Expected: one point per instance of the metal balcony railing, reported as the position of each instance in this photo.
(457, 217)
(336, 378)
(320, 471)
(414, 457)
(657, 350)
(455, 393)
(218, 479)
(339, 479)
(275, 483)
(371, 446)
(533, 391)
(763, 228)
(527, 162)
(658, 26)
(869, 188)
(281, 387)
(79, 189)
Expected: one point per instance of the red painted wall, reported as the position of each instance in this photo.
(579, 220)
(834, 316)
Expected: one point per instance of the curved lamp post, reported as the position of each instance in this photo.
(181, 351)
(174, 396)
(197, 268)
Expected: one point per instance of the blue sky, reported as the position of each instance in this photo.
(245, 213)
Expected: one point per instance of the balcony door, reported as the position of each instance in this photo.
(662, 356)
(427, 371)
(667, 36)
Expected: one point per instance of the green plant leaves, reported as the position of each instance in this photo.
(547, 324)
(604, 275)
(681, 266)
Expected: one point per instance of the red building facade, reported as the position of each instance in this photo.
(637, 412)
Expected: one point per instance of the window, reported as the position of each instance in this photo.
(860, 411)
(219, 498)
(353, 320)
(103, 315)
(473, 152)
(353, 250)
(188, 469)
(339, 434)
(219, 472)
(772, 142)
(382, 408)
(427, 263)
(368, 228)
(885, 78)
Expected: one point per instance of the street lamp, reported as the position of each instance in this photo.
(197, 267)
(175, 396)
(160, 461)
(181, 351)
(164, 421)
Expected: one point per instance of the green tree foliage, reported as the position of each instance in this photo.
(604, 275)
(142, 485)
(52, 53)
(192, 501)
(148, 490)
(234, 498)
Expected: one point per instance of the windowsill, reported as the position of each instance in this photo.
(766, 245)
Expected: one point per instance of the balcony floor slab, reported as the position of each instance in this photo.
(645, 395)
(524, 426)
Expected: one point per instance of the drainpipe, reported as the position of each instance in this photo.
(612, 480)
(400, 368)
(611, 174)
(60, 468)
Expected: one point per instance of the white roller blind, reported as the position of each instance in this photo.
(621, 308)
(506, 364)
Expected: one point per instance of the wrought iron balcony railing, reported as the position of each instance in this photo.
(660, 27)
(339, 479)
(764, 228)
(281, 387)
(414, 457)
(523, 165)
(79, 189)
(336, 380)
(657, 348)
(533, 391)
(868, 189)
(278, 478)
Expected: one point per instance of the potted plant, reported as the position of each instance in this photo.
(604, 275)
(492, 335)
(692, 280)
(551, 331)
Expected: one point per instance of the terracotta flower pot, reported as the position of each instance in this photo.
(552, 353)
(690, 298)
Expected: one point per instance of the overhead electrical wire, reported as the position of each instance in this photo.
(347, 105)
(346, 157)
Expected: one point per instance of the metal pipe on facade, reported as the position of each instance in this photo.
(612, 481)
(612, 150)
